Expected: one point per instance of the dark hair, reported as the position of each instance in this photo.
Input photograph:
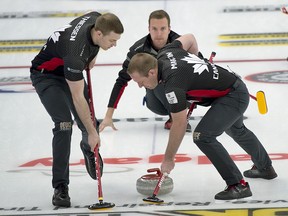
(109, 22)
(159, 14)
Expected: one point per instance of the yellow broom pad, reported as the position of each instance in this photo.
(261, 101)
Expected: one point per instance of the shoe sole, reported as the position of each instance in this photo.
(245, 193)
(262, 177)
(232, 200)
(61, 203)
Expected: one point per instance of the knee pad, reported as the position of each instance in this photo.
(200, 138)
(196, 137)
(63, 126)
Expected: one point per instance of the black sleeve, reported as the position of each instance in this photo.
(176, 98)
(73, 68)
(123, 77)
(120, 84)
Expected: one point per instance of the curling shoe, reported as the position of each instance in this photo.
(236, 191)
(61, 197)
(267, 173)
(188, 128)
(168, 125)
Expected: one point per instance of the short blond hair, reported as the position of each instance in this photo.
(142, 63)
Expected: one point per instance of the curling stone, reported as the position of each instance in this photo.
(146, 184)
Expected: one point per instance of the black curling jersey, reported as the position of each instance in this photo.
(69, 49)
(143, 45)
(188, 77)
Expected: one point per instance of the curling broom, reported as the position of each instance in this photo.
(101, 204)
(260, 95)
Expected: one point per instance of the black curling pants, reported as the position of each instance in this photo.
(226, 115)
(55, 95)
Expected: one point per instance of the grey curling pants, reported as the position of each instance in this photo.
(226, 115)
(55, 95)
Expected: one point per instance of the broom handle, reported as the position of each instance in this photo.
(91, 106)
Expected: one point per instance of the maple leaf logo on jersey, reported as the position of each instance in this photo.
(199, 64)
(55, 36)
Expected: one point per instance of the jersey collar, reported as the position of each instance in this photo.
(89, 37)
